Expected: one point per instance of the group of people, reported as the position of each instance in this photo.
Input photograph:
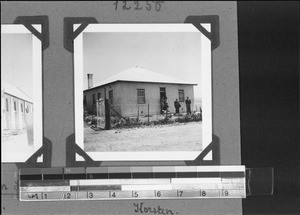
(177, 105)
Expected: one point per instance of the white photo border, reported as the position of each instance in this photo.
(206, 80)
(37, 90)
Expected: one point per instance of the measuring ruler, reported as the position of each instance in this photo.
(156, 182)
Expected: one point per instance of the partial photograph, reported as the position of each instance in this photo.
(19, 139)
(142, 89)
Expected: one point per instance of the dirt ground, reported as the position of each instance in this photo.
(170, 137)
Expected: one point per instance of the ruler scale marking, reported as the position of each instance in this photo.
(102, 183)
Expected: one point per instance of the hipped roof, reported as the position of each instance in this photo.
(139, 74)
(14, 91)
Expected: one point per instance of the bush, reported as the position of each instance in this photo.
(94, 121)
(118, 122)
(88, 119)
(195, 117)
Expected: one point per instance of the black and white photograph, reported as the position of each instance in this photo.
(21, 94)
(145, 90)
(150, 107)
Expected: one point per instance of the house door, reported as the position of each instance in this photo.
(163, 95)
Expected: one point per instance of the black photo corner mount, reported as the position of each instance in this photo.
(69, 34)
(214, 148)
(45, 150)
(214, 34)
(72, 149)
(28, 21)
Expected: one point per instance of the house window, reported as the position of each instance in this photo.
(181, 95)
(7, 107)
(111, 96)
(98, 96)
(22, 108)
(94, 99)
(141, 96)
(15, 106)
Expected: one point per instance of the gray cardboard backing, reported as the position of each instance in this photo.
(59, 103)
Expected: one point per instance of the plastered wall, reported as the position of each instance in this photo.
(58, 97)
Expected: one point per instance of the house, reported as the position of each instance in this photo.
(130, 92)
(17, 108)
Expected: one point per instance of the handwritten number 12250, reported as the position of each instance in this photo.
(137, 5)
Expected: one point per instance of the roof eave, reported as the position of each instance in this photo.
(138, 82)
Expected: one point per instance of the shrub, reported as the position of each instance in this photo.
(94, 121)
(118, 122)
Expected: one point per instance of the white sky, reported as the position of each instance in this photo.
(173, 54)
(17, 62)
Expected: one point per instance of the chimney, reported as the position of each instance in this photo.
(90, 80)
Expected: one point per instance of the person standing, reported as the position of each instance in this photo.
(162, 105)
(188, 105)
(166, 104)
(177, 106)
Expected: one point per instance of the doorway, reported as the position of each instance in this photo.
(162, 92)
